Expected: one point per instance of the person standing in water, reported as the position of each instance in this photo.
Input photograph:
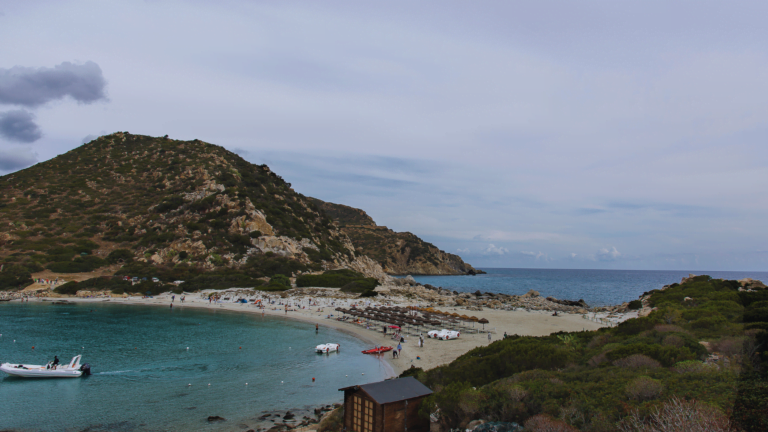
(316, 328)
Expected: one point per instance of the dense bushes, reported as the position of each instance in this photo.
(94, 284)
(78, 265)
(17, 276)
(120, 255)
(329, 279)
(219, 281)
(590, 380)
(361, 285)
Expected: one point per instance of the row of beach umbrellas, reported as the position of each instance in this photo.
(407, 316)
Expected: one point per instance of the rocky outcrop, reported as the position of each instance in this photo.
(397, 253)
(751, 284)
(369, 268)
(284, 246)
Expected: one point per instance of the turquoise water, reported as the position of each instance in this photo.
(141, 367)
(596, 287)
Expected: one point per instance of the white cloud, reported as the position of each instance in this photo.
(493, 250)
(540, 256)
(608, 254)
(460, 250)
(573, 255)
(510, 236)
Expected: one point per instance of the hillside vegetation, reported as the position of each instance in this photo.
(704, 341)
(158, 207)
(397, 253)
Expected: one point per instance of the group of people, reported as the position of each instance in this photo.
(46, 281)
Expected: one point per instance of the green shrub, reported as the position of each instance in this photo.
(635, 326)
(756, 325)
(329, 279)
(756, 315)
(709, 323)
(279, 279)
(635, 304)
(369, 293)
(78, 265)
(169, 204)
(361, 285)
(15, 277)
(644, 388)
(94, 284)
(666, 355)
(119, 255)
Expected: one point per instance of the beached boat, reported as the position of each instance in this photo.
(72, 369)
(327, 348)
(378, 350)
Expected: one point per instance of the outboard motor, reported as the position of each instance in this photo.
(85, 369)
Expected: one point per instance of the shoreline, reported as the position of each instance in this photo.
(434, 353)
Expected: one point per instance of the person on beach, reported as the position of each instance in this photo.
(394, 354)
(489, 337)
(399, 348)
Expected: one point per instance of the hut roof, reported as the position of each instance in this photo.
(388, 391)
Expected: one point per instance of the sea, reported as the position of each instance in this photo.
(596, 287)
(157, 369)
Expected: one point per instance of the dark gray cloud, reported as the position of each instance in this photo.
(11, 160)
(33, 87)
(19, 126)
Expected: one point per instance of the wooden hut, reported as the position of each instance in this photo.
(386, 406)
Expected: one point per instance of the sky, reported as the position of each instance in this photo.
(593, 134)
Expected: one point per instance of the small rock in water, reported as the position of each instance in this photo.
(289, 415)
(215, 418)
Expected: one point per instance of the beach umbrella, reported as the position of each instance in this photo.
(483, 321)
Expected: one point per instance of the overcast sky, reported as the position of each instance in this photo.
(592, 134)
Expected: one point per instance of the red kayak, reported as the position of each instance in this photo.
(378, 350)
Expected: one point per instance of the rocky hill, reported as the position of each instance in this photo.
(397, 253)
(158, 207)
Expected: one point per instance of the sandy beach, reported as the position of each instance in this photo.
(434, 352)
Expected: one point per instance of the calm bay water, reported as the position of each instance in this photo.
(596, 287)
(141, 367)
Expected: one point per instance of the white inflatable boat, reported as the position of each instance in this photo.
(72, 369)
(327, 348)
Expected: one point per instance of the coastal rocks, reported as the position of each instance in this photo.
(581, 303)
(216, 418)
(751, 284)
(531, 294)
